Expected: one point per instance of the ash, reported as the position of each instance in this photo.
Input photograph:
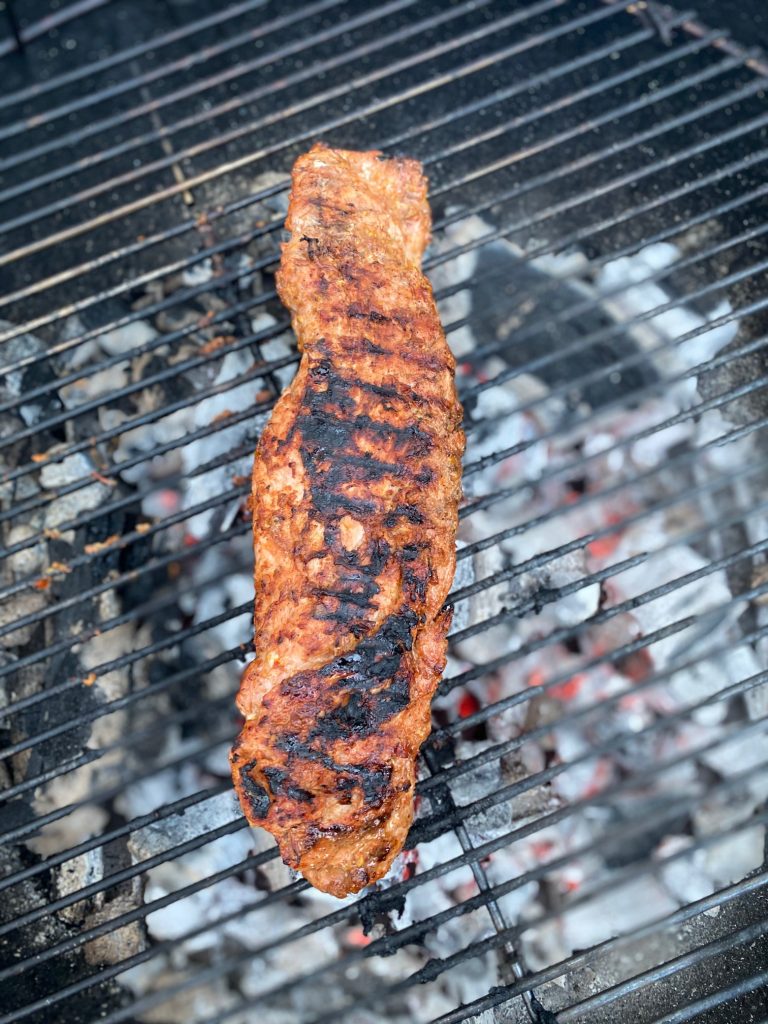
(639, 794)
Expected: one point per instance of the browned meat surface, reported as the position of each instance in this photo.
(356, 486)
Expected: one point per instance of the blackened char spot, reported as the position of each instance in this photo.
(375, 659)
(328, 503)
(326, 431)
(374, 783)
(409, 552)
(255, 794)
(373, 348)
(409, 512)
(355, 626)
(384, 390)
(345, 596)
(373, 779)
(314, 248)
(364, 712)
(280, 785)
(417, 584)
(359, 468)
(356, 312)
(378, 656)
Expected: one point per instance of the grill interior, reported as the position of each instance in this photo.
(590, 834)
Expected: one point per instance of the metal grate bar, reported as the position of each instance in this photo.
(465, 110)
(721, 360)
(51, 21)
(558, 636)
(727, 944)
(238, 70)
(497, 96)
(229, 964)
(576, 465)
(581, 345)
(577, 185)
(618, 113)
(711, 1002)
(465, 592)
(621, 111)
(497, 750)
(445, 822)
(436, 261)
(108, 792)
(420, 928)
(279, 328)
(95, 841)
(510, 573)
(412, 931)
(391, 39)
(537, 779)
(429, 973)
(209, 51)
(123, 56)
(504, 993)
(547, 685)
(722, 172)
(533, 691)
(142, 611)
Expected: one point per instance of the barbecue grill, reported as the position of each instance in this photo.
(589, 842)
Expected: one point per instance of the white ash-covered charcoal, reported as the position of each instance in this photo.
(123, 339)
(71, 469)
(685, 877)
(736, 856)
(585, 778)
(18, 382)
(524, 307)
(744, 752)
(281, 347)
(198, 273)
(499, 428)
(456, 275)
(628, 303)
(99, 385)
(199, 487)
(697, 598)
(621, 910)
(191, 1003)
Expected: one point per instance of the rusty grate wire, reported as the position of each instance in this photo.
(142, 186)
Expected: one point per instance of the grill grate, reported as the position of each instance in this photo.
(600, 260)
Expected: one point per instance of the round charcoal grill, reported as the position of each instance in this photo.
(590, 836)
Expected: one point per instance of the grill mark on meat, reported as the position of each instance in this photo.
(353, 571)
(363, 712)
(330, 459)
(356, 312)
(373, 779)
(409, 512)
(367, 347)
(374, 659)
(345, 596)
(337, 504)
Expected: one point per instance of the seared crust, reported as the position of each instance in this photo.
(356, 486)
